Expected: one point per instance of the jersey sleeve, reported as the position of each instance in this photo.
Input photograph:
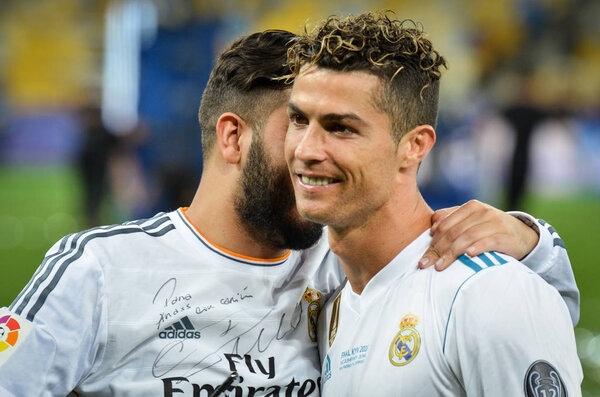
(549, 259)
(57, 325)
(509, 334)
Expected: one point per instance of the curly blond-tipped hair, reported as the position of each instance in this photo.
(398, 52)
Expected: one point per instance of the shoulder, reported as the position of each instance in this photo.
(463, 272)
(486, 278)
(79, 259)
(157, 226)
(501, 296)
(114, 235)
(495, 273)
(485, 288)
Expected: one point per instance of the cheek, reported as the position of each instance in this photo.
(277, 155)
(289, 147)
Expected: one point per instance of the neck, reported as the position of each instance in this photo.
(212, 212)
(366, 249)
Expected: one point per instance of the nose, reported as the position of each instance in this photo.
(311, 147)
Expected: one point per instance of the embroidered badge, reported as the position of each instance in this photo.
(335, 317)
(406, 343)
(313, 297)
(542, 379)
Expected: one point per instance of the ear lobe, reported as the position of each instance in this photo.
(229, 127)
(416, 145)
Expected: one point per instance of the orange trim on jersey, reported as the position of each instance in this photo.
(183, 209)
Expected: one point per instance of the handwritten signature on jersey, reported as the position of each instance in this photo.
(173, 304)
(238, 333)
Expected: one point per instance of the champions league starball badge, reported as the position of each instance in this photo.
(542, 379)
(406, 343)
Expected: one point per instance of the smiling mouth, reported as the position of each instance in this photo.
(317, 181)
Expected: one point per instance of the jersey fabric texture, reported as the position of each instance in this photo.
(152, 308)
(486, 326)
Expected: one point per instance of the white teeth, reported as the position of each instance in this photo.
(316, 181)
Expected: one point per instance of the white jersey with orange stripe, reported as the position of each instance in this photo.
(152, 308)
(487, 326)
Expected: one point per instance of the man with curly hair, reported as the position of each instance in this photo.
(173, 305)
(362, 114)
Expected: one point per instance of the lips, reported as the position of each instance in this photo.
(316, 181)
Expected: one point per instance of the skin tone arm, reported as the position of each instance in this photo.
(474, 228)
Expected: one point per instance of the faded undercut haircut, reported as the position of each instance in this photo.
(397, 52)
(246, 80)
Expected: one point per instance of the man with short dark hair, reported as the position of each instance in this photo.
(362, 114)
(175, 304)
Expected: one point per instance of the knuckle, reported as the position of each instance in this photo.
(490, 243)
(473, 204)
(442, 227)
(453, 234)
(458, 249)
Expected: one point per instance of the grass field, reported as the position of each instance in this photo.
(38, 206)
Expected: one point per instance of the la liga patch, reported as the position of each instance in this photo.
(13, 331)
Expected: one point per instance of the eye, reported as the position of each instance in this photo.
(297, 119)
(340, 129)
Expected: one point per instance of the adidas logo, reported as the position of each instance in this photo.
(182, 329)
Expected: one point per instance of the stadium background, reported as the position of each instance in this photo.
(145, 64)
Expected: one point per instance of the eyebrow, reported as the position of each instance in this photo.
(328, 116)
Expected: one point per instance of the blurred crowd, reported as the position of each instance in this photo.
(112, 87)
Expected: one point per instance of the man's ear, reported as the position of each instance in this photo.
(415, 145)
(230, 128)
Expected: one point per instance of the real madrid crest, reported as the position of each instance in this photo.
(313, 297)
(406, 343)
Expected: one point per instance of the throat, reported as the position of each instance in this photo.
(364, 251)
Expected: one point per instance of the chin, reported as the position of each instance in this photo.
(314, 216)
(295, 216)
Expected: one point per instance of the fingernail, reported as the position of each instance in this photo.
(438, 263)
(470, 251)
(424, 261)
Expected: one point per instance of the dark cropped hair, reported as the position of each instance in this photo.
(246, 80)
(395, 51)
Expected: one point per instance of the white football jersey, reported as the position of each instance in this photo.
(152, 308)
(486, 326)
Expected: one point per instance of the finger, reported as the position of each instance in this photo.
(473, 241)
(498, 233)
(442, 263)
(467, 216)
(455, 215)
(429, 258)
(450, 231)
(439, 215)
(484, 244)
